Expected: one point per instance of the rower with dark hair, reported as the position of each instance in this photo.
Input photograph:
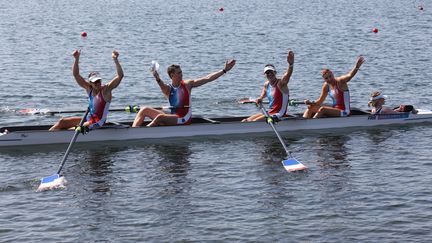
(337, 88)
(99, 96)
(178, 93)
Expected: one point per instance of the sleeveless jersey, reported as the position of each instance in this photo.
(98, 110)
(341, 99)
(180, 99)
(278, 101)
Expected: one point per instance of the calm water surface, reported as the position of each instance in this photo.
(362, 185)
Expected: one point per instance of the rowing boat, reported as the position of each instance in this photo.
(201, 126)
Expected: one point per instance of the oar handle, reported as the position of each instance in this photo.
(295, 102)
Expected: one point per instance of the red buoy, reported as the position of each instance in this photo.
(375, 30)
(221, 9)
(83, 34)
(420, 7)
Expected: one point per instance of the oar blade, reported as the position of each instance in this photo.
(292, 164)
(52, 182)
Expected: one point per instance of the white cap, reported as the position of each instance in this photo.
(380, 96)
(267, 68)
(94, 76)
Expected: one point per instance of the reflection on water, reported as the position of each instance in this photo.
(377, 136)
(174, 158)
(98, 166)
(91, 173)
(279, 194)
(174, 166)
(332, 152)
(273, 150)
(334, 165)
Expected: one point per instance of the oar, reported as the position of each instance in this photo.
(54, 181)
(290, 164)
(253, 101)
(130, 108)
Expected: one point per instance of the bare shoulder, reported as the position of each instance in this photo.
(189, 83)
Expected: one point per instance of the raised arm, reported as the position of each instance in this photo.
(76, 73)
(164, 87)
(229, 64)
(347, 77)
(118, 78)
(287, 75)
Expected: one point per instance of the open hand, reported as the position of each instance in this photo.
(76, 53)
(229, 64)
(115, 55)
(290, 57)
(360, 61)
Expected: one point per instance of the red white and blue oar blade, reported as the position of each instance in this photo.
(51, 182)
(249, 101)
(34, 111)
(292, 164)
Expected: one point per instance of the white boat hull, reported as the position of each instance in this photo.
(17, 137)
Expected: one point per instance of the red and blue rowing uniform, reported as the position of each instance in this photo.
(341, 99)
(180, 99)
(278, 101)
(99, 108)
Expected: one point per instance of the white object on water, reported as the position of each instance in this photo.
(52, 182)
(154, 66)
(292, 164)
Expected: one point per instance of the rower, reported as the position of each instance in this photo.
(179, 96)
(276, 90)
(337, 89)
(99, 96)
(377, 101)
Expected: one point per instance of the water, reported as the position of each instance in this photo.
(368, 185)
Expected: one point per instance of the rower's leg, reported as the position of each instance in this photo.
(261, 117)
(164, 119)
(310, 111)
(143, 113)
(252, 118)
(326, 111)
(66, 123)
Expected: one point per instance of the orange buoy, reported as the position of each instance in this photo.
(83, 34)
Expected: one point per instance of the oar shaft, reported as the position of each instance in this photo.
(290, 102)
(131, 109)
(274, 129)
(74, 138)
(280, 138)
